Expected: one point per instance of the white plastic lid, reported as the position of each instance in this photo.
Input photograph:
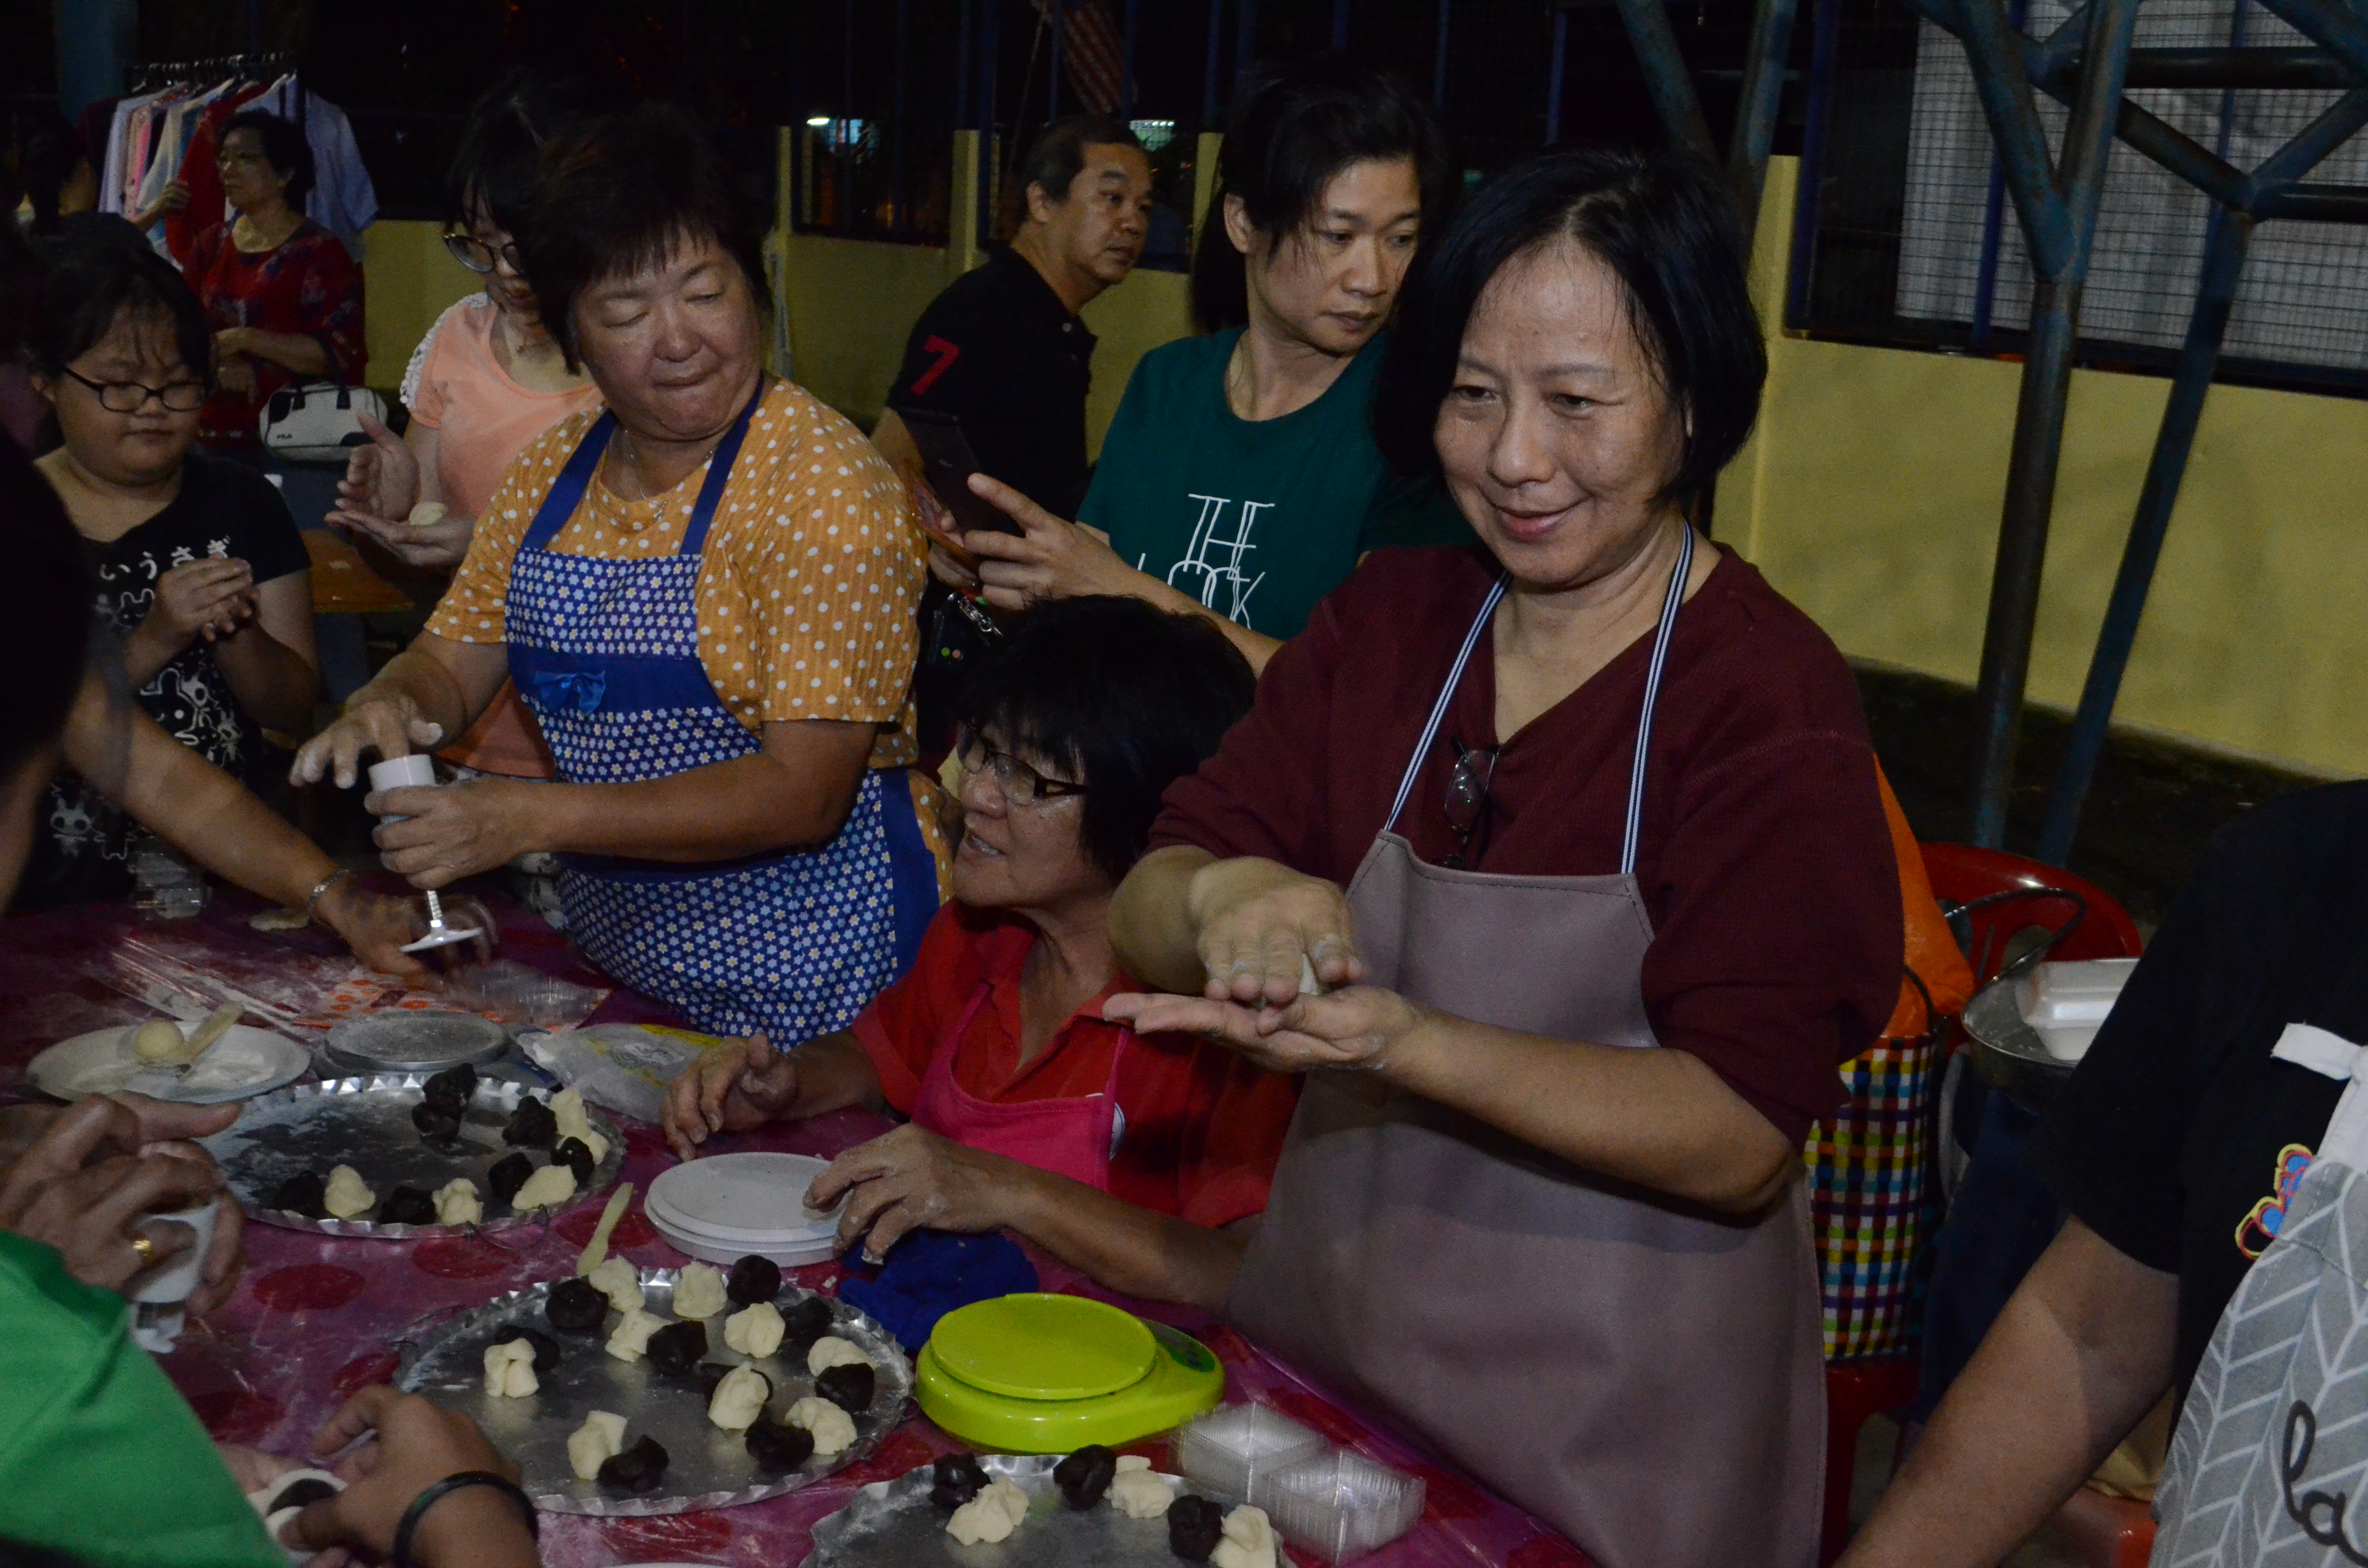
(749, 1197)
(2080, 993)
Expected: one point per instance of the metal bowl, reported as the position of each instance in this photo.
(2008, 1053)
(414, 1040)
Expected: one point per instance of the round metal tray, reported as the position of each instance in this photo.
(416, 1040)
(708, 1468)
(895, 1522)
(366, 1123)
(2008, 1053)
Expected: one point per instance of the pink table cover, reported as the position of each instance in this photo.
(316, 1317)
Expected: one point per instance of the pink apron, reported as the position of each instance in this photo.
(1644, 1376)
(1073, 1136)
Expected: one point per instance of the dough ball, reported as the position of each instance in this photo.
(303, 1193)
(278, 920)
(1085, 1475)
(158, 1039)
(698, 1291)
(676, 1348)
(547, 1188)
(992, 1515)
(438, 1123)
(457, 1203)
(639, 1469)
(777, 1446)
(567, 1109)
(955, 1480)
(509, 1369)
(830, 1351)
(601, 1437)
(849, 1387)
(621, 1282)
(833, 1429)
(545, 1351)
(1195, 1525)
(1248, 1541)
(1138, 1493)
(573, 1153)
(755, 1331)
(509, 1173)
(346, 1196)
(754, 1278)
(574, 1307)
(427, 515)
(454, 1086)
(808, 1320)
(739, 1399)
(531, 1126)
(631, 1339)
(407, 1206)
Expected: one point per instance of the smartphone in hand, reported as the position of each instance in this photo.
(948, 463)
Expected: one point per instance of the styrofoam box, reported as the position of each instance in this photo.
(1229, 1449)
(2080, 992)
(1339, 1505)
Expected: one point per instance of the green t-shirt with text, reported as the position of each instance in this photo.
(1255, 519)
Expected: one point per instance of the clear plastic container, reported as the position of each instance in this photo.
(1226, 1452)
(165, 886)
(1339, 1505)
(516, 994)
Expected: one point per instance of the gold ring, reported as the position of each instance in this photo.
(145, 1248)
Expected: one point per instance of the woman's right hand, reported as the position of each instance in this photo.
(733, 1088)
(205, 597)
(388, 724)
(414, 1444)
(377, 494)
(1262, 926)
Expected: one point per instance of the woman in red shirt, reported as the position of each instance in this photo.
(1134, 1159)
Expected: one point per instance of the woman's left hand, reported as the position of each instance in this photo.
(909, 1180)
(376, 926)
(1051, 558)
(1359, 1026)
(452, 831)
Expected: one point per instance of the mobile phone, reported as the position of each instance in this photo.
(946, 456)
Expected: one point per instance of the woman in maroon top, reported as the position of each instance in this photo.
(1593, 789)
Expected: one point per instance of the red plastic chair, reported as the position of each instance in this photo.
(2002, 905)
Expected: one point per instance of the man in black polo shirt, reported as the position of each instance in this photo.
(1002, 349)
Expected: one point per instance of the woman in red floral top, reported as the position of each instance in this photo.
(284, 297)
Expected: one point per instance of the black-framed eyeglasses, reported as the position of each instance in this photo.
(1021, 784)
(1469, 803)
(131, 397)
(477, 255)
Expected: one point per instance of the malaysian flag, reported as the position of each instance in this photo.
(1092, 54)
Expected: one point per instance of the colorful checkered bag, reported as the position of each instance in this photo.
(1868, 1167)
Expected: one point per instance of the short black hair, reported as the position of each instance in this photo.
(503, 140)
(284, 148)
(89, 286)
(1664, 223)
(44, 612)
(1058, 153)
(1120, 696)
(624, 192)
(1288, 131)
(48, 148)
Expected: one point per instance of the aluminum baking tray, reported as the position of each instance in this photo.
(414, 1040)
(708, 1468)
(366, 1123)
(2008, 1053)
(893, 1523)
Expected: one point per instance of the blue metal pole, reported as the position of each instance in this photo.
(1993, 229)
(2199, 356)
(1439, 59)
(1126, 84)
(1339, 27)
(1553, 76)
(1665, 75)
(1755, 113)
(962, 70)
(1245, 38)
(1825, 60)
(1209, 72)
(901, 169)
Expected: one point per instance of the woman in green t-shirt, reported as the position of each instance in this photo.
(1239, 479)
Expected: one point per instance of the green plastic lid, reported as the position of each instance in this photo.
(1043, 1346)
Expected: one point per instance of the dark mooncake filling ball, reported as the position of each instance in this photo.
(406, 1205)
(777, 1446)
(546, 1349)
(709, 1374)
(574, 1152)
(575, 1307)
(304, 1193)
(638, 1469)
(1085, 1475)
(806, 1321)
(453, 1087)
(1194, 1527)
(676, 1348)
(753, 1280)
(302, 1494)
(531, 1126)
(509, 1174)
(438, 1123)
(848, 1387)
(955, 1480)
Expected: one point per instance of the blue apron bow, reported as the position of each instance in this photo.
(581, 691)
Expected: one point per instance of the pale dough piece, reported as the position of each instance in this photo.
(289, 919)
(699, 1292)
(1308, 984)
(1247, 1543)
(602, 1436)
(756, 1331)
(830, 1351)
(547, 1188)
(997, 1510)
(1138, 1493)
(630, 1341)
(346, 1196)
(457, 1203)
(509, 1369)
(158, 1039)
(739, 1399)
(427, 514)
(567, 1110)
(621, 1282)
(832, 1430)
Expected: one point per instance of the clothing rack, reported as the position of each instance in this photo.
(150, 75)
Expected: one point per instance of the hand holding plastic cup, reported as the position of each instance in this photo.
(159, 1299)
(417, 771)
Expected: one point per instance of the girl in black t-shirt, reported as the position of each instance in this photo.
(200, 573)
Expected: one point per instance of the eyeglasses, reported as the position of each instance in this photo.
(131, 397)
(1468, 802)
(240, 160)
(1021, 785)
(478, 256)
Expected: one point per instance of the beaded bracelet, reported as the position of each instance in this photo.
(320, 890)
(400, 1556)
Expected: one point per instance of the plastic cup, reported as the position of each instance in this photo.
(158, 1300)
(415, 771)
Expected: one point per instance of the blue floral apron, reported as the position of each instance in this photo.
(605, 654)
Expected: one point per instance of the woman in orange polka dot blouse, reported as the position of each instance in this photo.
(706, 596)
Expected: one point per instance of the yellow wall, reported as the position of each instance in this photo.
(408, 278)
(850, 304)
(1128, 322)
(1871, 498)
